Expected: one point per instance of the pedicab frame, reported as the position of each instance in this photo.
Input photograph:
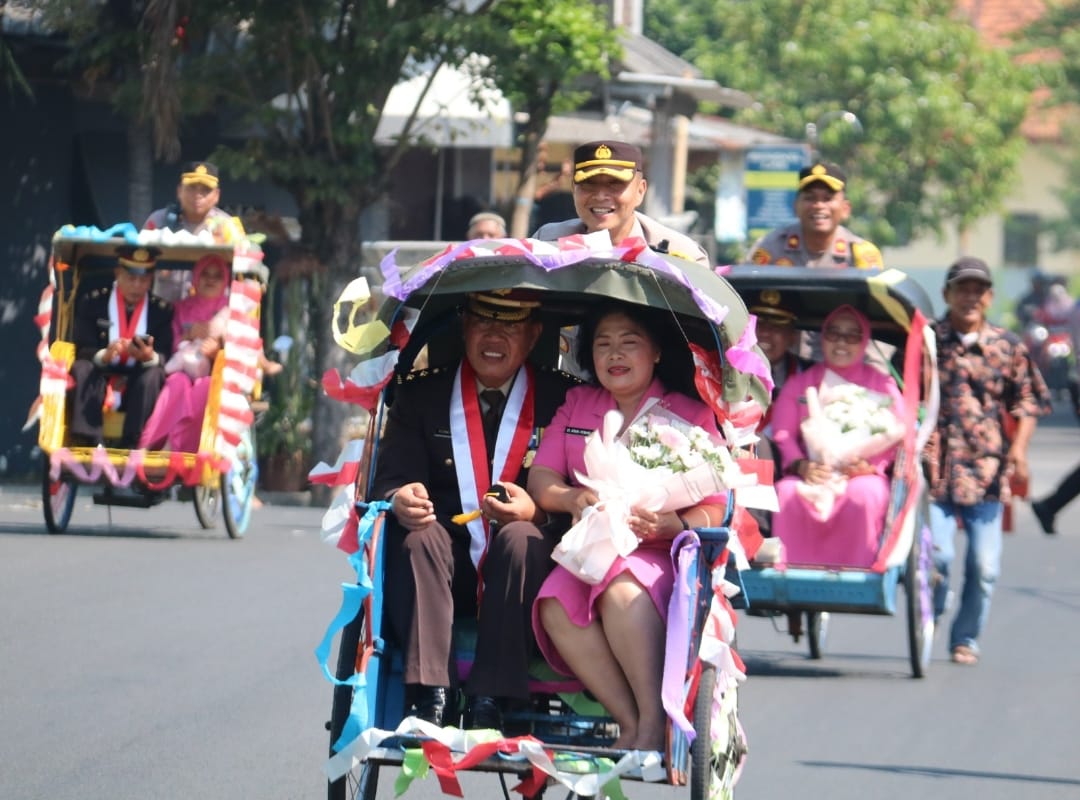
(899, 311)
(368, 690)
(223, 472)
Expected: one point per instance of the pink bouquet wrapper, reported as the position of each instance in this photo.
(603, 533)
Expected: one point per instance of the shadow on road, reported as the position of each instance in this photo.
(942, 772)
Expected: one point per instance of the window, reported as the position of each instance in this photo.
(1021, 240)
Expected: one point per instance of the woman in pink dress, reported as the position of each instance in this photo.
(611, 635)
(178, 414)
(848, 535)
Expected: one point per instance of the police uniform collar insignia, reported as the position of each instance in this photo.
(793, 242)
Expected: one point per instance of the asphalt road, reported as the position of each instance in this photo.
(147, 658)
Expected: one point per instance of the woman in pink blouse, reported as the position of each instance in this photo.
(611, 635)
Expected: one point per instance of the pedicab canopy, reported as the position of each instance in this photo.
(573, 275)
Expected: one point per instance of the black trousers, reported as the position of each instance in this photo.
(143, 387)
(1065, 491)
(430, 581)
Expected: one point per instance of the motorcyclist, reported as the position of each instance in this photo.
(1030, 303)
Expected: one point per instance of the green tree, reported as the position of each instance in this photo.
(940, 112)
(311, 78)
(543, 54)
(127, 52)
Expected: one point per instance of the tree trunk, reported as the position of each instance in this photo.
(526, 189)
(141, 177)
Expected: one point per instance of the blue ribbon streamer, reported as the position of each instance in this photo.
(353, 596)
(124, 230)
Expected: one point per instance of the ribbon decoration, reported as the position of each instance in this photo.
(243, 344)
(101, 466)
(582, 774)
(744, 358)
(684, 552)
(124, 230)
(353, 596)
(548, 256)
(344, 470)
(55, 379)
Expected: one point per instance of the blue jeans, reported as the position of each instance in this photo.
(982, 565)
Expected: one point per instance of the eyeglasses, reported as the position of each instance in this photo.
(837, 335)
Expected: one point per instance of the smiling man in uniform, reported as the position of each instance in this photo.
(819, 238)
(609, 186)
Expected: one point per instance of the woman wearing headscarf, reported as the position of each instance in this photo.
(848, 534)
(178, 414)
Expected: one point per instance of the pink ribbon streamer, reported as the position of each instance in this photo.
(742, 356)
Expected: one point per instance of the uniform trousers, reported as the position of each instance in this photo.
(430, 582)
(142, 390)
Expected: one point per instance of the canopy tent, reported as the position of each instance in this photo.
(456, 111)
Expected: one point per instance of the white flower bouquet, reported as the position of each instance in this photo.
(845, 424)
(660, 464)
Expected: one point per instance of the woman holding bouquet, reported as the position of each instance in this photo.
(611, 634)
(832, 502)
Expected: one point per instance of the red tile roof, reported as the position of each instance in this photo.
(995, 20)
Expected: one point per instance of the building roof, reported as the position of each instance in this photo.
(997, 21)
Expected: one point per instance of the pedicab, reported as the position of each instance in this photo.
(223, 471)
(562, 735)
(898, 309)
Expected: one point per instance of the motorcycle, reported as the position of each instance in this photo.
(1052, 348)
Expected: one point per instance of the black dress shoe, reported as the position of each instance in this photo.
(1044, 515)
(484, 713)
(431, 704)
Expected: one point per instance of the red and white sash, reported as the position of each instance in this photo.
(121, 327)
(470, 453)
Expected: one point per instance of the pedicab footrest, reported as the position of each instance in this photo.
(851, 590)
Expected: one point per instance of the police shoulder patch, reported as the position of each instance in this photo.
(761, 256)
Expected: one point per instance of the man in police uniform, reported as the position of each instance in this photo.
(123, 334)
(819, 238)
(608, 187)
(432, 464)
(196, 207)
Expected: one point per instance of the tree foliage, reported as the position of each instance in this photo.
(940, 112)
(545, 56)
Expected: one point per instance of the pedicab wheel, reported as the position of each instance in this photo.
(701, 768)
(349, 786)
(817, 631)
(238, 487)
(58, 500)
(920, 613)
(206, 505)
(716, 752)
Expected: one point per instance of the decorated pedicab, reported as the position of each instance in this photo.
(568, 736)
(221, 470)
(902, 344)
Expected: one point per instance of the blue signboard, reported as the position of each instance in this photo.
(771, 179)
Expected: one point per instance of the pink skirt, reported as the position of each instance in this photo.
(649, 566)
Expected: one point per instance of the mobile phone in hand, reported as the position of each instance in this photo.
(498, 491)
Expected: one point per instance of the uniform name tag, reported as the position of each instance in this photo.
(578, 431)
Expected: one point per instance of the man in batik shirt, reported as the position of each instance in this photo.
(987, 379)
